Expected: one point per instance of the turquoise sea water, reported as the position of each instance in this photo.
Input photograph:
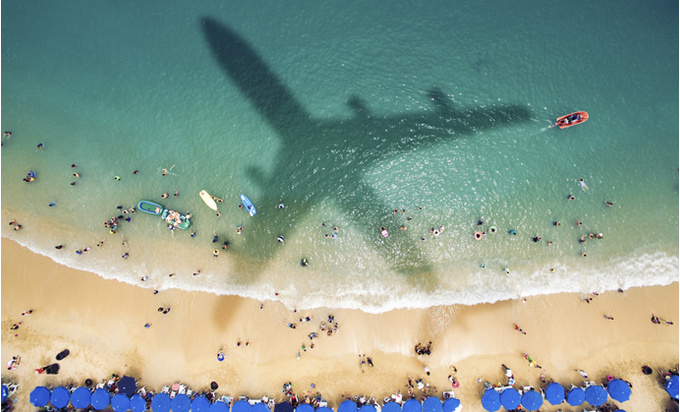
(344, 112)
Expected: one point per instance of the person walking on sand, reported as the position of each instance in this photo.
(585, 375)
(608, 317)
(655, 320)
(520, 329)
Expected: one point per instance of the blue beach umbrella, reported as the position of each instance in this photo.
(100, 399)
(554, 393)
(305, 407)
(60, 397)
(127, 385)
(219, 406)
(451, 405)
(327, 409)
(80, 398)
(532, 400)
(120, 402)
(432, 404)
(258, 407)
(240, 406)
(510, 399)
(348, 406)
(367, 408)
(5, 393)
(182, 403)
(619, 390)
(389, 407)
(491, 400)
(283, 407)
(40, 396)
(137, 403)
(161, 402)
(672, 387)
(576, 396)
(411, 405)
(202, 404)
(596, 395)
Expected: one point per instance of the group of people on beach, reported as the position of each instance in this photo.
(423, 349)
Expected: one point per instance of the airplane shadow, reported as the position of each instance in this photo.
(352, 146)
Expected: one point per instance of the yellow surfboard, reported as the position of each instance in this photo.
(208, 200)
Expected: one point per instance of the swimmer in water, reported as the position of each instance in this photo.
(609, 203)
(582, 183)
(570, 197)
(166, 172)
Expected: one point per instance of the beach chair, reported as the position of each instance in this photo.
(252, 402)
(398, 398)
(323, 403)
(448, 394)
(165, 390)
(242, 398)
(271, 403)
(182, 390)
(100, 385)
(588, 384)
(189, 392)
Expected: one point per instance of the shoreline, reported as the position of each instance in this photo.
(231, 273)
(102, 323)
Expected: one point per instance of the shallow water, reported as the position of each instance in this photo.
(344, 113)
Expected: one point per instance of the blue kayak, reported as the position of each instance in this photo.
(248, 205)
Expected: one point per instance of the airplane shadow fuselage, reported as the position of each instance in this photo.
(340, 151)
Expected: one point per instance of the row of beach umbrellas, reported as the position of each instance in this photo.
(82, 398)
(431, 404)
(595, 395)
(492, 400)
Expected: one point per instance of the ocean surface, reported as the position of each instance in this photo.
(341, 113)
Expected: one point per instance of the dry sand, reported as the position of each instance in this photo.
(102, 322)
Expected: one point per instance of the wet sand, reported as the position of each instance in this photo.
(102, 322)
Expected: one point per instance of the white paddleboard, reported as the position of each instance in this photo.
(208, 200)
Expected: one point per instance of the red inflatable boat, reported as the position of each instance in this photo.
(571, 119)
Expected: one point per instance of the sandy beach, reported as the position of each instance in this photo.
(102, 323)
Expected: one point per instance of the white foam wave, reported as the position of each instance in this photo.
(388, 292)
